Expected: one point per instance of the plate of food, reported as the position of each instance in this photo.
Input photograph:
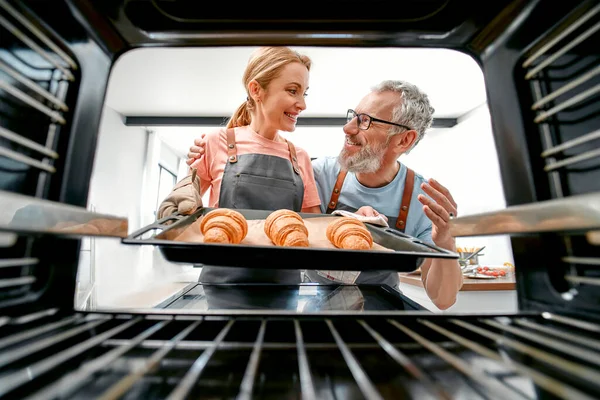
(487, 272)
(479, 276)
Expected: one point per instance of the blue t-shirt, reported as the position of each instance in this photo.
(386, 200)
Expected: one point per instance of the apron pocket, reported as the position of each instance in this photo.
(262, 193)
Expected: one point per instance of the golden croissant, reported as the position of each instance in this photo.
(223, 225)
(286, 228)
(349, 233)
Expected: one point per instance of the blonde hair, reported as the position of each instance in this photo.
(264, 66)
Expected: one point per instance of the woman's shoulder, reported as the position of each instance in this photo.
(302, 155)
(300, 151)
(217, 132)
(215, 135)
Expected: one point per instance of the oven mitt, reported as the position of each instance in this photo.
(185, 198)
(378, 220)
(349, 277)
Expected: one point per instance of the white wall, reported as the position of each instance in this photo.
(118, 165)
(464, 159)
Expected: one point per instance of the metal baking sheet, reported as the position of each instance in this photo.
(408, 252)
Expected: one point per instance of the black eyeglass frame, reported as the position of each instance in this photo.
(371, 119)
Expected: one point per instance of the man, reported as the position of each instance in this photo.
(387, 123)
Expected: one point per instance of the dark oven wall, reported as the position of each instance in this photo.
(53, 77)
(543, 80)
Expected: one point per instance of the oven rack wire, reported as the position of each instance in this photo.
(378, 355)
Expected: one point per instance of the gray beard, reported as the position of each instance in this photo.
(366, 161)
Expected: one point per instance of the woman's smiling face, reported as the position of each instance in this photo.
(284, 98)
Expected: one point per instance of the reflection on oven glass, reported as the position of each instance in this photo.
(341, 298)
(299, 298)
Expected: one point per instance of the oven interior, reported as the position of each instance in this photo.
(542, 76)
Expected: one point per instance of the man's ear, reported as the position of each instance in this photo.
(403, 142)
(254, 89)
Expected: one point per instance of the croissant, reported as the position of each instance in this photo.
(349, 233)
(286, 228)
(223, 225)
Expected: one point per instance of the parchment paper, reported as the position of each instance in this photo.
(256, 234)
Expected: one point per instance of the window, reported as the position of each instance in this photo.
(166, 181)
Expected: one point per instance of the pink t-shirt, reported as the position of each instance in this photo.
(212, 164)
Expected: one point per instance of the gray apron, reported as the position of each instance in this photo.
(382, 277)
(258, 182)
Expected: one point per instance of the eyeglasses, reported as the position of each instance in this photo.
(364, 120)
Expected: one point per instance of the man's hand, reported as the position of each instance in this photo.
(368, 211)
(438, 209)
(442, 279)
(197, 150)
(185, 198)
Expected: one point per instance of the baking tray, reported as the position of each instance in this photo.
(407, 255)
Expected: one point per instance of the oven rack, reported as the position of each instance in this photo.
(561, 70)
(561, 220)
(30, 223)
(374, 355)
(564, 78)
(548, 138)
(37, 74)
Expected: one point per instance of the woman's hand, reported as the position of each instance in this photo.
(184, 198)
(197, 150)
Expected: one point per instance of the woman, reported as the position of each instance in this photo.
(249, 165)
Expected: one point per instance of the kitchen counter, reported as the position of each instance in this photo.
(500, 283)
(476, 295)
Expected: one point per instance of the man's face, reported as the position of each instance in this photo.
(364, 151)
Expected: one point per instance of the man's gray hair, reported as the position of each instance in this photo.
(414, 110)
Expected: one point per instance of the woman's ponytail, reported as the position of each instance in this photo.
(241, 116)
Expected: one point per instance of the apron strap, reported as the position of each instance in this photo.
(231, 150)
(409, 184)
(336, 191)
(232, 153)
(293, 157)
